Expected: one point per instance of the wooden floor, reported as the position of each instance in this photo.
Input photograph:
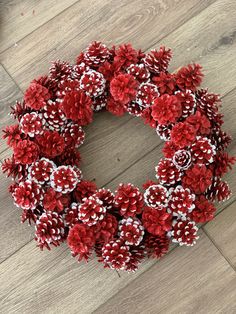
(201, 279)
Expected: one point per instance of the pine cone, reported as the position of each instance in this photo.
(184, 232)
(188, 102)
(158, 60)
(55, 201)
(106, 229)
(49, 230)
(202, 151)
(157, 246)
(96, 54)
(129, 200)
(93, 83)
(165, 83)
(31, 124)
(156, 195)
(91, 210)
(167, 173)
(181, 201)
(139, 71)
(198, 178)
(131, 231)
(51, 143)
(84, 189)
(71, 216)
(64, 179)
(137, 255)
(53, 115)
(27, 194)
(41, 170)
(182, 159)
(146, 94)
(107, 198)
(156, 220)
(36, 96)
(25, 152)
(204, 210)
(189, 77)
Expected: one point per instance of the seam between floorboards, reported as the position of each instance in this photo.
(8, 73)
(218, 249)
(3, 51)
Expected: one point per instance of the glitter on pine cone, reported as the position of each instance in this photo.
(41, 170)
(181, 201)
(156, 195)
(157, 246)
(27, 194)
(167, 172)
(166, 109)
(91, 210)
(81, 241)
(129, 200)
(202, 151)
(49, 230)
(184, 232)
(182, 159)
(157, 220)
(64, 179)
(93, 83)
(31, 124)
(115, 254)
(131, 231)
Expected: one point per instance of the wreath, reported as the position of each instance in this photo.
(124, 227)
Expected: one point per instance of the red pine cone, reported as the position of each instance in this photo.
(158, 60)
(96, 54)
(64, 179)
(93, 83)
(99, 102)
(123, 88)
(184, 232)
(59, 70)
(137, 255)
(19, 110)
(115, 254)
(129, 200)
(27, 194)
(81, 240)
(164, 131)
(220, 139)
(78, 70)
(73, 135)
(146, 94)
(31, 124)
(25, 152)
(183, 134)
(91, 211)
(219, 190)
(167, 173)
(188, 102)
(84, 189)
(189, 77)
(198, 178)
(148, 118)
(204, 210)
(126, 55)
(55, 201)
(182, 159)
(223, 163)
(70, 156)
(36, 96)
(202, 150)
(139, 71)
(131, 231)
(169, 149)
(17, 171)
(134, 109)
(166, 109)
(41, 170)
(107, 198)
(51, 143)
(115, 107)
(53, 115)
(71, 216)
(181, 201)
(165, 83)
(156, 195)
(13, 134)
(200, 123)
(209, 105)
(106, 229)
(77, 106)
(156, 220)
(49, 230)
(157, 246)
(29, 215)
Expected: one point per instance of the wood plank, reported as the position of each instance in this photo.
(53, 281)
(19, 18)
(9, 93)
(188, 280)
(222, 231)
(110, 21)
(210, 39)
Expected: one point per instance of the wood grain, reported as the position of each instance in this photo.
(188, 280)
(20, 18)
(141, 22)
(222, 231)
